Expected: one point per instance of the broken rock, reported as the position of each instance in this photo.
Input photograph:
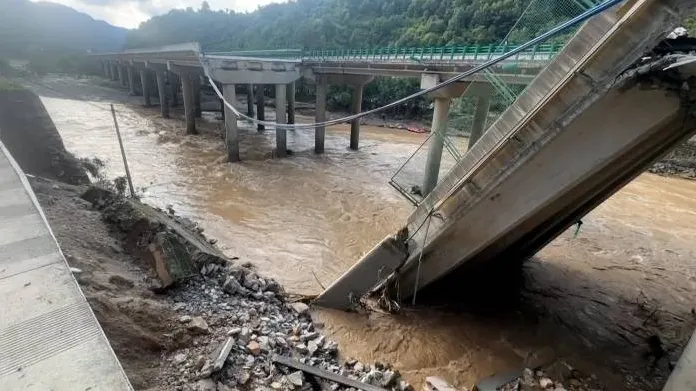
(296, 378)
(206, 385)
(300, 308)
(254, 348)
(179, 358)
(198, 325)
(434, 383)
(232, 286)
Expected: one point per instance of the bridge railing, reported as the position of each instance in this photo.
(542, 52)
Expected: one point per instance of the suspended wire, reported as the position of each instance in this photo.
(541, 38)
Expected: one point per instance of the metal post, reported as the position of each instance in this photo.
(281, 137)
(123, 153)
(437, 141)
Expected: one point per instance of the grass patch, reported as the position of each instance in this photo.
(9, 85)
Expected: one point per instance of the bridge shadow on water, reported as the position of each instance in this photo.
(590, 321)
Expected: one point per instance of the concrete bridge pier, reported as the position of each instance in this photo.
(260, 107)
(130, 70)
(187, 75)
(281, 134)
(483, 104)
(320, 131)
(231, 130)
(189, 104)
(174, 85)
(105, 66)
(114, 72)
(436, 144)
(121, 74)
(356, 107)
(442, 99)
(145, 82)
(290, 97)
(250, 100)
(197, 96)
(162, 90)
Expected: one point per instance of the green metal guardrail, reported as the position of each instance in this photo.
(543, 52)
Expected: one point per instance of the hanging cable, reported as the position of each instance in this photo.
(556, 30)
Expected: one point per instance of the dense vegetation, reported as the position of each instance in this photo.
(348, 23)
(52, 36)
(357, 23)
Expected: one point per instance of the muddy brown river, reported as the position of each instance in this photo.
(315, 215)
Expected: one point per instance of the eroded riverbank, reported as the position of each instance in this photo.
(584, 296)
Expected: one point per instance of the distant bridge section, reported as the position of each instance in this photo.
(179, 67)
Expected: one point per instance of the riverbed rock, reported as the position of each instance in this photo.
(179, 358)
(545, 383)
(198, 325)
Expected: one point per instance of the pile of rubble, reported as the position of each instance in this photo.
(559, 377)
(234, 322)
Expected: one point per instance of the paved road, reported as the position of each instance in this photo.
(49, 337)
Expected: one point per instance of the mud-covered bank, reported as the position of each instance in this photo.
(28, 132)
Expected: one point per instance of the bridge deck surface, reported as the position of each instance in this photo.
(49, 336)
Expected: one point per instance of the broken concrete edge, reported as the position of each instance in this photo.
(171, 249)
(378, 264)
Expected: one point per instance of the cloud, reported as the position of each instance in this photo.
(130, 13)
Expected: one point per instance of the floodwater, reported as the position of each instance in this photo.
(305, 219)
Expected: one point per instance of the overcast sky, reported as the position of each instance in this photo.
(130, 13)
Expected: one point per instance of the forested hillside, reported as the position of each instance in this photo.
(27, 27)
(351, 23)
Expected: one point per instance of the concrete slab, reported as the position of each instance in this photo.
(364, 275)
(49, 337)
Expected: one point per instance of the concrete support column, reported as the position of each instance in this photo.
(174, 85)
(114, 72)
(162, 90)
(480, 118)
(320, 131)
(197, 96)
(121, 75)
(281, 137)
(107, 70)
(250, 100)
(131, 80)
(437, 141)
(355, 124)
(189, 104)
(260, 106)
(145, 83)
(231, 131)
(290, 97)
